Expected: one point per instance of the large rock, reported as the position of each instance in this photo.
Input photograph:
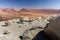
(53, 29)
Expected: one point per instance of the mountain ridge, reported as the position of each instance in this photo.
(11, 13)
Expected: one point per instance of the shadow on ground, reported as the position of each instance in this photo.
(41, 36)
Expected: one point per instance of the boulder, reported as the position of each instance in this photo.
(53, 29)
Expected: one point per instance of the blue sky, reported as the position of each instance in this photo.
(55, 4)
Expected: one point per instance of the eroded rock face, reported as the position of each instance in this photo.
(22, 28)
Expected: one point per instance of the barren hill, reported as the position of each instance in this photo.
(10, 13)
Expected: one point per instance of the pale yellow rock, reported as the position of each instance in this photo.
(12, 29)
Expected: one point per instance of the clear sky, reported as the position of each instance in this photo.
(55, 4)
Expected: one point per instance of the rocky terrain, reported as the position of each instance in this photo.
(24, 24)
(23, 28)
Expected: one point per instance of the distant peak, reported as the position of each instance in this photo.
(23, 9)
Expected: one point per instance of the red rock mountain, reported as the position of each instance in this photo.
(10, 13)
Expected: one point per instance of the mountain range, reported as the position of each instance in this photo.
(11, 13)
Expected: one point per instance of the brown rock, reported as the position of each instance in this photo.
(53, 30)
